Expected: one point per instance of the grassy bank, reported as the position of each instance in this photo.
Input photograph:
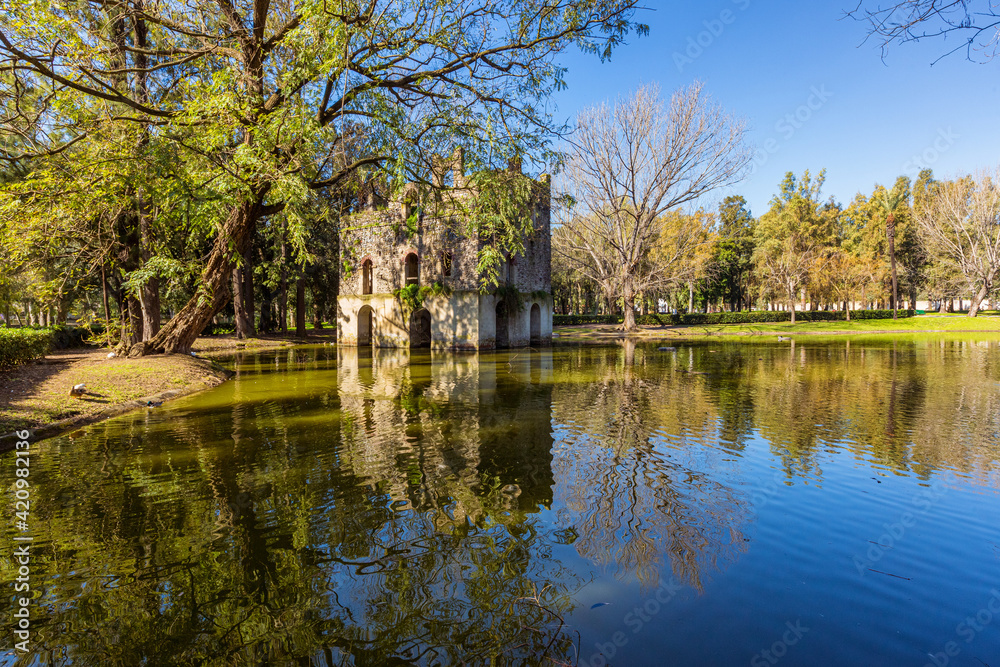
(36, 395)
(931, 323)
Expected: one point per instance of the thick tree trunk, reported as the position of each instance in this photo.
(243, 305)
(239, 308)
(150, 305)
(132, 321)
(628, 308)
(977, 300)
(179, 334)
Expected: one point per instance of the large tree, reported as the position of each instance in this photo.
(630, 164)
(794, 237)
(260, 99)
(733, 252)
(890, 202)
(962, 226)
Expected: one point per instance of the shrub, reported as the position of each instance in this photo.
(747, 317)
(65, 337)
(19, 346)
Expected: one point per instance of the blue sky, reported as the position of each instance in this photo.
(869, 122)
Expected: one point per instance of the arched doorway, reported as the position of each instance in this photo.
(503, 326)
(411, 270)
(536, 324)
(420, 329)
(366, 325)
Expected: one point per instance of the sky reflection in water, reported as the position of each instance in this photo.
(828, 503)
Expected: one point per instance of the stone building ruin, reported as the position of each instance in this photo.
(418, 242)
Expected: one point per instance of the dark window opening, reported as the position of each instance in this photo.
(412, 271)
(446, 261)
(511, 269)
(366, 277)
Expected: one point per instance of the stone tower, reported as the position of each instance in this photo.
(410, 279)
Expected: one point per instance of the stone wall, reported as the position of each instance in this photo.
(461, 319)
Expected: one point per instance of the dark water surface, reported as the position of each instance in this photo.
(825, 503)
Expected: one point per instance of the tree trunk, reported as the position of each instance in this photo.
(130, 316)
(149, 303)
(243, 306)
(266, 324)
(891, 230)
(980, 295)
(283, 288)
(241, 319)
(300, 306)
(179, 334)
(628, 307)
(248, 290)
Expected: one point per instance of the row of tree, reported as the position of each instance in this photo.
(624, 243)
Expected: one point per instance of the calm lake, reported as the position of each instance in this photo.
(827, 502)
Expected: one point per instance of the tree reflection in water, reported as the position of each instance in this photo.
(629, 502)
(398, 508)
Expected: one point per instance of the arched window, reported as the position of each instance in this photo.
(411, 270)
(366, 277)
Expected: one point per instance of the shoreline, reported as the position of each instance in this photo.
(43, 408)
(34, 397)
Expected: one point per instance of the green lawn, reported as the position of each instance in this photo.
(931, 322)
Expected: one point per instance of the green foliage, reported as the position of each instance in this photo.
(501, 217)
(510, 297)
(19, 346)
(412, 297)
(749, 317)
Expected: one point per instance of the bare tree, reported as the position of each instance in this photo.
(632, 163)
(977, 22)
(962, 226)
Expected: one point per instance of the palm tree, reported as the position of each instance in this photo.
(890, 202)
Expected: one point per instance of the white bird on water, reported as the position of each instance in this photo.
(784, 338)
